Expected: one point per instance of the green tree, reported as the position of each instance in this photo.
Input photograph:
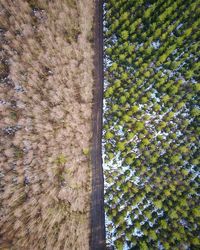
(124, 34)
(109, 135)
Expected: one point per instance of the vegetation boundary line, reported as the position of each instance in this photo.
(97, 241)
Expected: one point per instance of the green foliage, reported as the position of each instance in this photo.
(115, 107)
(124, 35)
(158, 204)
(152, 116)
(173, 215)
(122, 99)
(109, 135)
(119, 244)
(145, 141)
(143, 246)
(196, 212)
(113, 67)
(144, 99)
(86, 151)
(195, 112)
(129, 160)
(109, 92)
(130, 136)
(196, 241)
(135, 108)
(126, 118)
(152, 235)
(61, 159)
(175, 158)
(139, 126)
(117, 83)
(183, 149)
(124, 77)
(163, 224)
(110, 156)
(121, 146)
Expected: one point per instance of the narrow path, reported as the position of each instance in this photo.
(97, 210)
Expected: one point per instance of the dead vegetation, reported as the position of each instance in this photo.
(45, 112)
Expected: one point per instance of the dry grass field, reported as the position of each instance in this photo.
(46, 97)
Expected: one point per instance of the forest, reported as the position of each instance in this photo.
(99, 124)
(151, 124)
(46, 96)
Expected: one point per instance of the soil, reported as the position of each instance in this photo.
(46, 105)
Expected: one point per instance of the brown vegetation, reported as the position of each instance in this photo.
(45, 112)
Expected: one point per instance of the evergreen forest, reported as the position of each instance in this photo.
(151, 124)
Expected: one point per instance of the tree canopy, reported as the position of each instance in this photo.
(151, 123)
